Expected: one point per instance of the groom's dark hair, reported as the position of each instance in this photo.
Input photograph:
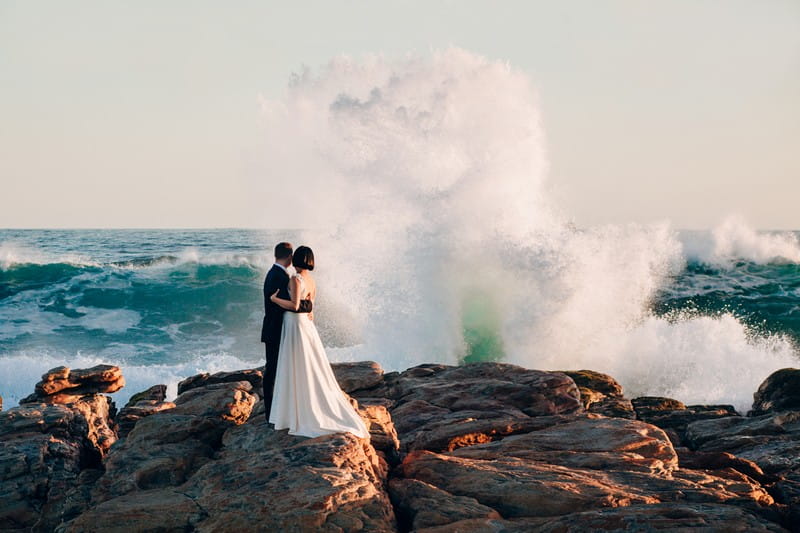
(303, 258)
(283, 250)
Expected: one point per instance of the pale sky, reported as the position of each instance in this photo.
(146, 114)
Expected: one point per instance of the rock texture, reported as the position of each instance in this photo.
(480, 447)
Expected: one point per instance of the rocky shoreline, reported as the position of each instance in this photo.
(475, 448)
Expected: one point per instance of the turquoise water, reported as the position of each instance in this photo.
(168, 303)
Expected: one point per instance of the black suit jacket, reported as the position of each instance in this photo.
(277, 280)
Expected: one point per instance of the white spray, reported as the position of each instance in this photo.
(425, 177)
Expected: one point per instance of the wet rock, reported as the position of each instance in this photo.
(779, 392)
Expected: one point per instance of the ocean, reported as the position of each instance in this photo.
(165, 304)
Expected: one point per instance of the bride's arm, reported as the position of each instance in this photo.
(294, 292)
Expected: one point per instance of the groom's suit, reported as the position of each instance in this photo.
(277, 280)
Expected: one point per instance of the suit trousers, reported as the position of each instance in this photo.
(270, 369)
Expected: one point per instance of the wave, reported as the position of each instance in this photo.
(733, 240)
(444, 235)
(13, 255)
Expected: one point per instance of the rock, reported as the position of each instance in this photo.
(720, 461)
(329, 483)
(656, 517)
(167, 447)
(529, 488)
(43, 451)
(480, 447)
(419, 505)
(362, 375)
(156, 393)
(383, 435)
(772, 441)
(646, 406)
(163, 510)
(442, 407)
(97, 379)
(253, 375)
(613, 407)
(587, 442)
(674, 417)
(140, 405)
(98, 410)
(1, 403)
(601, 394)
(595, 382)
(779, 392)
(516, 487)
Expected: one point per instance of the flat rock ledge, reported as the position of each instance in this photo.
(475, 448)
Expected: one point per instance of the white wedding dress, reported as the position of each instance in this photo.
(307, 399)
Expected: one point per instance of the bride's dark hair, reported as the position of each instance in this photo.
(303, 258)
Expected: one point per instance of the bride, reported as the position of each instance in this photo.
(307, 399)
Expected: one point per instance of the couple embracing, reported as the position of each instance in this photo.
(301, 393)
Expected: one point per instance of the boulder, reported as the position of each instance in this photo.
(62, 385)
(254, 376)
(601, 394)
(779, 392)
(358, 376)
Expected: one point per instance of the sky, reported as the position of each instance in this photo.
(146, 114)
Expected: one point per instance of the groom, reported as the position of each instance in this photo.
(277, 280)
